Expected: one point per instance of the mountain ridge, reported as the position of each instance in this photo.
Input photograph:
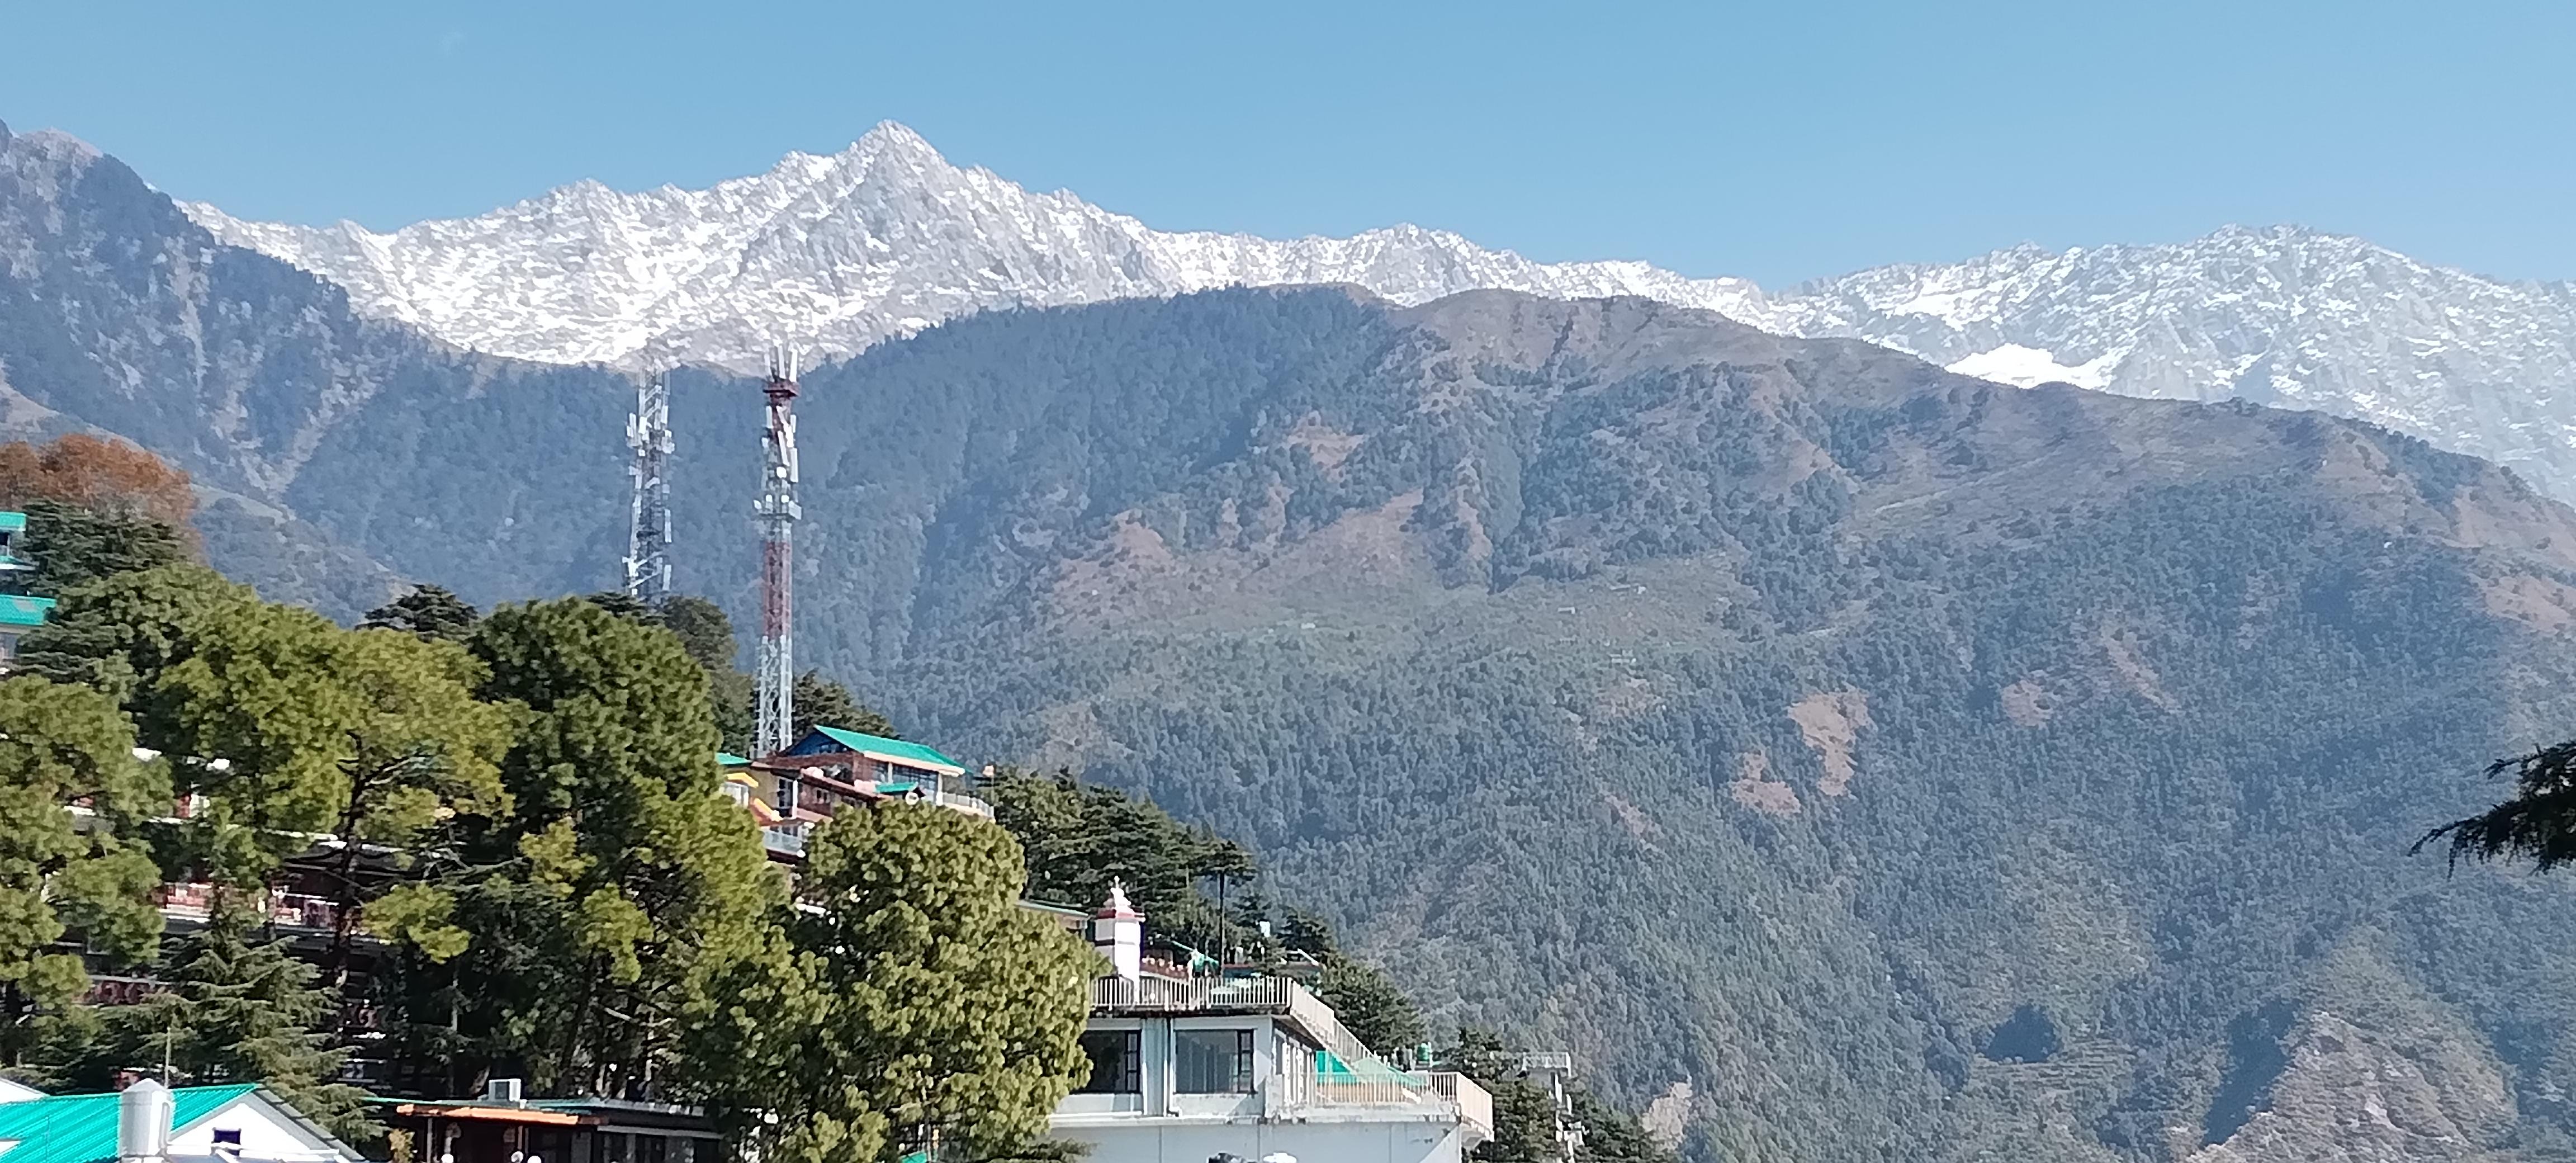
(1876, 761)
(885, 238)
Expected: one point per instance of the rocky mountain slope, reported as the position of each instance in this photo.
(887, 237)
(1877, 762)
(119, 314)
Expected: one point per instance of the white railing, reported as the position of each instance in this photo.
(782, 840)
(960, 801)
(1363, 1079)
(1475, 1104)
(1536, 1061)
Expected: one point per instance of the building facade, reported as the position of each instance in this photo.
(1187, 1069)
(19, 613)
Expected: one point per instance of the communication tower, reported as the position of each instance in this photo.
(648, 536)
(778, 513)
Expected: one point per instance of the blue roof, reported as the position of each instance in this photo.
(81, 1128)
(18, 610)
(827, 739)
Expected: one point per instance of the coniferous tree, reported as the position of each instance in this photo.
(707, 634)
(923, 1006)
(428, 612)
(60, 745)
(238, 1007)
(1611, 1135)
(72, 546)
(620, 881)
(821, 702)
(625, 605)
(1370, 1005)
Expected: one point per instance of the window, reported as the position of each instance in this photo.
(1212, 1061)
(787, 795)
(1117, 1062)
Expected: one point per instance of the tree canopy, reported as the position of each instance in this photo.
(922, 1005)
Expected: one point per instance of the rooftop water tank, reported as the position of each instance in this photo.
(143, 1122)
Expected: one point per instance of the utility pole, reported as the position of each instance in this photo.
(648, 534)
(778, 513)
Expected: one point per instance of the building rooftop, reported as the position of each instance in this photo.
(21, 611)
(12, 522)
(81, 1128)
(876, 747)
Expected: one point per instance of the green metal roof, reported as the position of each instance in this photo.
(18, 610)
(12, 522)
(890, 748)
(81, 1128)
(729, 759)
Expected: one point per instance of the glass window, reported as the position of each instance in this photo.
(1117, 1062)
(1212, 1061)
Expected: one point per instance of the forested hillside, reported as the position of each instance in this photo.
(1874, 762)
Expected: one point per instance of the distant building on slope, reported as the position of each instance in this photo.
(830, 769)
(18, 612)
(1186, 1069)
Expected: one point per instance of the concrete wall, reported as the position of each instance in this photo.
(1173, 1142)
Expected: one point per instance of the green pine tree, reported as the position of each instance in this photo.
(429, 612)
(922, 1005)
(72, 545)
(59, 745)
(238, 1008)
(619, 882)
(821, 702)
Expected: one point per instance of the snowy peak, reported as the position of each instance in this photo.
(886, 237)
(840, 251)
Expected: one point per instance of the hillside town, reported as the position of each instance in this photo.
(1185, 1053)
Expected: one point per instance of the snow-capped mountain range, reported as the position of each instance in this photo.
(886, 237)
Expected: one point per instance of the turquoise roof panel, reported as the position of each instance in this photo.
(729, 759)
(895, 749)
(19, 610)
(12, 522)
(81, 1128)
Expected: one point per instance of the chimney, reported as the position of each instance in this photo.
(143, 1123)
(1118, 931)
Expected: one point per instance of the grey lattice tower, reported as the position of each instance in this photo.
(648, 536)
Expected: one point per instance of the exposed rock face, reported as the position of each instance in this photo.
(2350, 1093)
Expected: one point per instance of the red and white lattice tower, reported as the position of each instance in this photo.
(778, 512)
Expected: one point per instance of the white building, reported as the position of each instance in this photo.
(149, 1123)
(1188, 1069)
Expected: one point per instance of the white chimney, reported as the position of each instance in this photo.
(143, 1123)
(1118, 931)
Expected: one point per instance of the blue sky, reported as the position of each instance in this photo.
(1780, 141)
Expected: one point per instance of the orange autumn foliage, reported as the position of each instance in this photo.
(106, 475)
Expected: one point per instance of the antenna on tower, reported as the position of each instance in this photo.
(778, 513)
(648, 535)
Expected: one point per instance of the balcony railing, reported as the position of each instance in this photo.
(1475, 1103)
(781, 840)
